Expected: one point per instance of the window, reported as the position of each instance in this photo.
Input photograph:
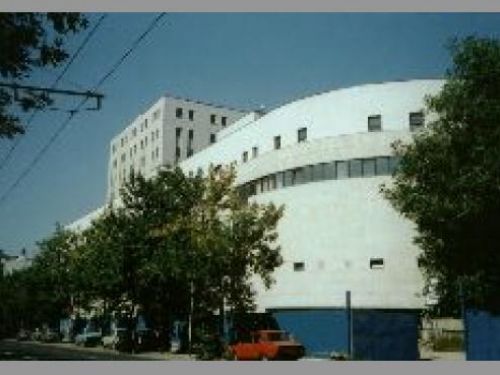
(319, 172)
(376, 263)
(157, 152)
(255, 152)
(394, 163)
(157, 133)
(299, 266)
(355, 168)
(191, 134)
(135, 149)
(244, 157)
(288, 179)
(272, 182)
(153, 155)
(114, 163)
(375, 123)
(142, 144)
(223, 121)
(368, 167)
(177, 152)
(145, 141)
(156, 115)
(178, 112)
(382, 166)
(189, 152)
(152, 136)
(113, 148)
(416, 120)
(134, 132)
(330, 171)
(123, 157)
(299, 176)
(342, 170)
(191, 115)
(277, 142)
(130, 152)
(302, 135)
(213, 138)
(145, 123)
(212, 119)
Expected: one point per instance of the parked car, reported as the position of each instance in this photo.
(267, 345)
(91, 335)
(49, 335)
(23, 335)
(118, 337)
(36, 335)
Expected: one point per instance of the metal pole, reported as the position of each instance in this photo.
(190, 324)
(350, 348)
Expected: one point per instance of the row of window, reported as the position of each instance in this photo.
(416, 121)
(179, 113)
(335, 170)
(375, 263)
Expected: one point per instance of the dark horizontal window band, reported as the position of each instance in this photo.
(334, 170)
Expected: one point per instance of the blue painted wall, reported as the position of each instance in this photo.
(386, 335)
(320, 331)
(482, 336)
(377, 334)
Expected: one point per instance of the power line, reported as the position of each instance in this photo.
(66, 122)
(80, 48)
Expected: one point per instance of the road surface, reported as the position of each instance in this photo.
(29, 350)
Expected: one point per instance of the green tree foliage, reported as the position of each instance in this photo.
(448, 181)
(30, 41)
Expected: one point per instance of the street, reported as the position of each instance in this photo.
(29, 350)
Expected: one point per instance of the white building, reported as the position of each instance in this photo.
(325, 158)
(168, 132)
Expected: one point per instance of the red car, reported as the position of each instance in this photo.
(268, 345)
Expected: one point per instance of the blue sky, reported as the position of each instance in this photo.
(239, 60)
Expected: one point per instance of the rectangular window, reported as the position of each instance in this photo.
(394, 163)
(244, 157)
(145, 141)
(213, 138)
(255, 152)
(157, 133)
(368, 167)
(302, 135)
(272, 182)
(113, 148)
(191, 134)
(145, 123)
(135, 149)
(288, 179)
(123, 157)
(134, 132)
(298, 176)
(319, 172)
(299, 266)
(355, 168)
(212, 119)
(330, 171)
(189, 152)
(152, 155)
(223, 121)
(279, 180)
(382, 166)
(277, 142)
(191, 115)
(156, 115)
(157, 152)
(178, 112)
(342, 169)
(142, 144)
(177, 152)
(416, 120)
(178, 132)
(375, 123)
(376, 263)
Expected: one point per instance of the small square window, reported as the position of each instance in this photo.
(302, 135)
(376, 263)
(277, 142)
(375, 123)
(178, 112)
(212, 119)
(223, 121)
(299, 266)
(191, 115)
(416, 120)
(245, 157)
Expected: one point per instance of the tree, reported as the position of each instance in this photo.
(29, 41)
(448, 181)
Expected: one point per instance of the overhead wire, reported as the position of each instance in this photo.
(80, 48)
(66, 122)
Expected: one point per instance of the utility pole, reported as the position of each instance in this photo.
(350, 346)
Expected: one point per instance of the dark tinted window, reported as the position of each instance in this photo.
(368, 167)
(374, 123)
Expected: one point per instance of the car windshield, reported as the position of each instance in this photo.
(277, 336)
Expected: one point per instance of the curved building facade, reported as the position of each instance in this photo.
(325, 158)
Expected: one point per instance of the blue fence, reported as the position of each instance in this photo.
(377, 334)
(482, 335)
